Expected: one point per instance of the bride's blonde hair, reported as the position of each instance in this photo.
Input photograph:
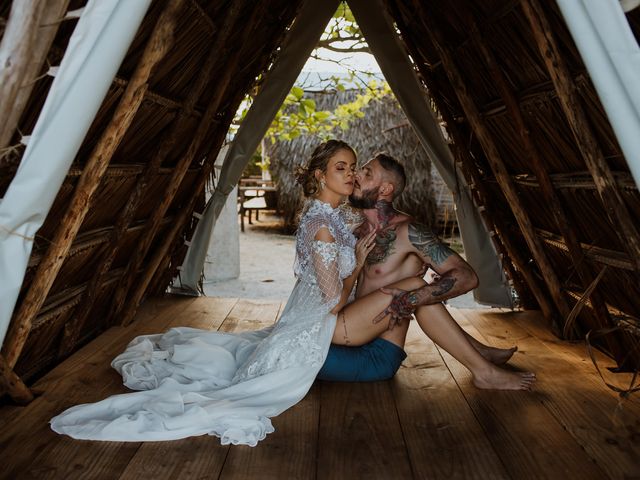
(319, 160)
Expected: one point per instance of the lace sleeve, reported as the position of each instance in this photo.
(324, 256)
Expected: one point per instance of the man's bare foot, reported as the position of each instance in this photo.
(497, 356)
(498, 379)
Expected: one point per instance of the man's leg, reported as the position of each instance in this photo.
(497, 356)
(355, 327)
(438, 324)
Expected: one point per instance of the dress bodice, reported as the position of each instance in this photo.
(340, 252)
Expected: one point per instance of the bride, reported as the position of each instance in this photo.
(196, 382)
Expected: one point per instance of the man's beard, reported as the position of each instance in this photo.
(367, 200)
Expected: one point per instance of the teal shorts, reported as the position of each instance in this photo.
(374, 361)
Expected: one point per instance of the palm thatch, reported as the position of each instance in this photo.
(383, 127)
(552, 184)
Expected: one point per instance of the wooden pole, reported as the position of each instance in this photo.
(498, 167)
(16, 50)
(157, 46)
(117, 238)
(137, 258)
(532, 157)
(129, 310)
(606, 185)
(11, 111)
(12, 384)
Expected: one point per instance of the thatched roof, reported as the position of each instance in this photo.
(553, 185)
(384, 127)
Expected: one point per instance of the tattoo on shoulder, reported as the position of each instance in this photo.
(428, 243)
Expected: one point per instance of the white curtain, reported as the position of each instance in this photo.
(612, 57)
(94, 54)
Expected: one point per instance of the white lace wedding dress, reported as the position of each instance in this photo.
(195, 382)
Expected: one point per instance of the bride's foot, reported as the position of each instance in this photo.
(498, 379)
(497, 356)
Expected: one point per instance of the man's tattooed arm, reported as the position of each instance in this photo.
(428, 243)
(455, 278)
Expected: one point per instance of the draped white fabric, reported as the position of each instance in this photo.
(95, 51)
(196, 382)
(612, 56)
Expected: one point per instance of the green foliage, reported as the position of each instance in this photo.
(299, 115)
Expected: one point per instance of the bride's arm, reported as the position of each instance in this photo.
(363, 246)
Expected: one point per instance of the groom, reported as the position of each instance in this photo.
(402, 245)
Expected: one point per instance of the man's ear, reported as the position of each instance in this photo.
(387, 189)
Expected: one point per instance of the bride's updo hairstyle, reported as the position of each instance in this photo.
(319, 160)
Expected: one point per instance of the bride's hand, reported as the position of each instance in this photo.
(363, 246)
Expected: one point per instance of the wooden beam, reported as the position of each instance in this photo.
(92, 238)
(118, 236)
(543, 92)
(203, 130)
(158, 44)
(576, 180)
(533, 158)
(13, 385)
(612, 200)
(497, 165)
(600, 255)
(19, 42)
(161, 100)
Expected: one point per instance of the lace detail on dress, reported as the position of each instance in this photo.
(281, 351)
(328, 251)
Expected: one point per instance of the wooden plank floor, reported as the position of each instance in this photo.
(428, 422)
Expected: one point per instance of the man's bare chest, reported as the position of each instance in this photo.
(389, 253)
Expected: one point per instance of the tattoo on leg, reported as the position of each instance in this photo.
(345, 336)
(444, 285)
(428, 243)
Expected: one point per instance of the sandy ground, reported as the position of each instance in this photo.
(266, 266)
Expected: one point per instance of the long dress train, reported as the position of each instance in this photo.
(196, 382)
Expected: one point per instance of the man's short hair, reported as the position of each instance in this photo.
(396, 171)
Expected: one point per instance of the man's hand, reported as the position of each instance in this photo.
(401, 307)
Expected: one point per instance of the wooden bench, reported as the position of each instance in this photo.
(251, 198)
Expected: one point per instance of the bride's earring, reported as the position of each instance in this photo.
(322, 184)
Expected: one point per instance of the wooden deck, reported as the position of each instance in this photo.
(428, 422)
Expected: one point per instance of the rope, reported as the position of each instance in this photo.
(624, 393)
(13, 232)
(577, 308)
